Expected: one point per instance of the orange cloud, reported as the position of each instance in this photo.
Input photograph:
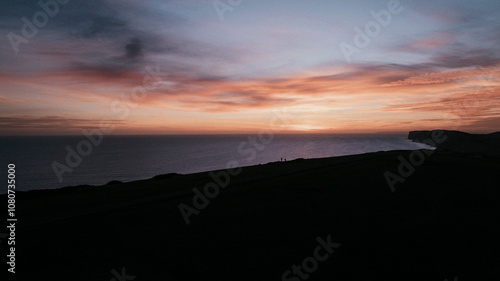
(361, 99)
(444, 76)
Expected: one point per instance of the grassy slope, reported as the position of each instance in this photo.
(440, 223)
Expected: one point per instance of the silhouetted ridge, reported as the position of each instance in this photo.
(456, 141)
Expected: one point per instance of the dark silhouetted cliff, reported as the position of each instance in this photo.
(456, 141)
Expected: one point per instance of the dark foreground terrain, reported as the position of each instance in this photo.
(442, 222)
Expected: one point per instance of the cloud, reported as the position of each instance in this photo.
(464, 34)
(110, 35)
(4, 100)
(467, 58)
(471, 109)
(428, 43)
(133, 48)
(443, 77)
(49, 124)
(94, 52)
(487, 125)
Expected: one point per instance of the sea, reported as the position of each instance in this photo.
(50, 162)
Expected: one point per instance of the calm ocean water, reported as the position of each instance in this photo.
(128, 158)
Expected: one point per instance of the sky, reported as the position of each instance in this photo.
(232, 66)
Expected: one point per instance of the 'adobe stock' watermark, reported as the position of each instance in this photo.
(40, 19)
(222, 178)
(406, 168)
(121, 277)
(95, 137)
(467, 106)
(311, 264)
(221, 8)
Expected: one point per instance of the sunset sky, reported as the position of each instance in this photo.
(175, 67)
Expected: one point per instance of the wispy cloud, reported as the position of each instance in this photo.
(23, 124)
(265, 56)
